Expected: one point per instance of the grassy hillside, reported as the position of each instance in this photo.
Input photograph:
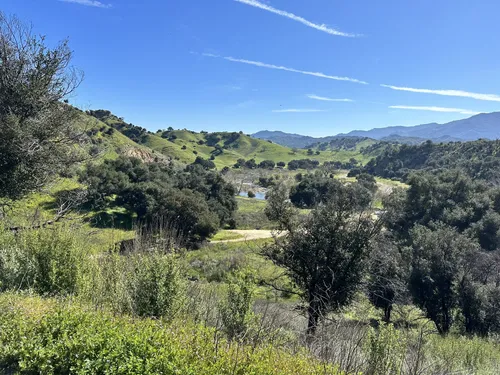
(186, 145)
(224, 147)
(110, 143)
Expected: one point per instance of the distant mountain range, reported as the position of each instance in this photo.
(484, 125)
(289, 139)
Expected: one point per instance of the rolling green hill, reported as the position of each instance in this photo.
(224, 148)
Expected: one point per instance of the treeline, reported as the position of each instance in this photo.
(436, 245)
(293, 165)
(478, 159)
(136, 133)
(446, 228)
(340, 143)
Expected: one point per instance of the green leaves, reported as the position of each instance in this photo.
(71, 339)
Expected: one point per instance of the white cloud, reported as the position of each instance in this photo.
(89, 3)
(296, 110)
(324, 99)
(320, 27)
(277, 67)
(435, 109)
(460, 93)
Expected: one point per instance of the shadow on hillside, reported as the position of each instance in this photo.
(66, 201)
(117, 220)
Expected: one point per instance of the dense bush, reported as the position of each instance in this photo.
(236, 310)
(145, 284)
(267, 182)
(51, 338)
(303, 164)
(313, 189)
(47, 261)
(267, 164)
(195, 200)
(316, 188)
(451, 226)
(206, 164)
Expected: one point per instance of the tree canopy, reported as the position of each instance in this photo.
(37, 130)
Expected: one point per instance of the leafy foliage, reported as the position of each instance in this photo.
(46, 261)
(317, 188)
(37, 131)
(236, 310)
(478, 159)
(195, 201)
(302, 164)
(69, 339)
(439, 263)
(324, 255)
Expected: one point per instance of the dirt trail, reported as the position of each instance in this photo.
(247, 235)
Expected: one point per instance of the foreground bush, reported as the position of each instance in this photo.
(58, 338)
(44, 260)
(143, 284)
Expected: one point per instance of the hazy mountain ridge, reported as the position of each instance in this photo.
(484, 125)
(289, 139)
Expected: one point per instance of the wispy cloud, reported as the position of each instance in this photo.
(435, 109)
(89, 3)
(297, 110)
(278, 67)
(320, 27)
(460, 93)
(325, 99)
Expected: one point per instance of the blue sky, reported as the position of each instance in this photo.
(313, 67)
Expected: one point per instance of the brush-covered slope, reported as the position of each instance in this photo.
(109, 143)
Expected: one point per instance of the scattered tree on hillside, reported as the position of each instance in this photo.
(206, 164)
(303, 164)
(267, 164)
(251, 164)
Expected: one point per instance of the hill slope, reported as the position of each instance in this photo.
(224, 148)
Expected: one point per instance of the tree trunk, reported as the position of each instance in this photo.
(387, 314)
(312, 318)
